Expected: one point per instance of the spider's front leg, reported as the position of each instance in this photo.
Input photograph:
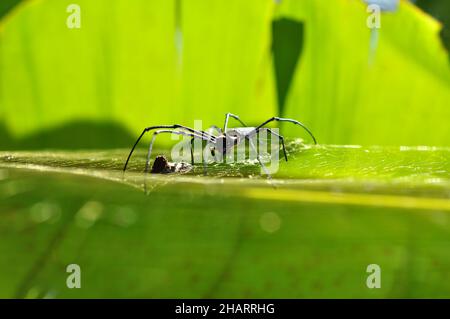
(280, 119)
(280, 137)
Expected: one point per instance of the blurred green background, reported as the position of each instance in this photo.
(376, 189)
(140, 63)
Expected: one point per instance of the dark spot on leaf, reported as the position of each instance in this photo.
(162, 166)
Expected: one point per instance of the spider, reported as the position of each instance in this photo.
(223, 142)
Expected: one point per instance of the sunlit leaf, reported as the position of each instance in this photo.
(401, 99)
(135, 64)
(187, 235)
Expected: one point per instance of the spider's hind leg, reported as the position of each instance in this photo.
(280, 119)
(193, 135)
(204, 135)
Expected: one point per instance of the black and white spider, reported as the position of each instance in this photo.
(223, 142)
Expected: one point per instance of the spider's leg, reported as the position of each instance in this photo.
(280, 137)
(149, 153)
(258, 157)
(134, 146)
(175, 126)
(193, 135)
(204, 168)
(227, 117)
(192, 151)
(191, 130)
(212, 127)
(280, 119)
(206, 153)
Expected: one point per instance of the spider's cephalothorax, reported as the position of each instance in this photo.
(224, 143)
(221, 143)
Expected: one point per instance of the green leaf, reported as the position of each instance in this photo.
(333, 211)
(310, 231)
(149, 62)
(135, 64)
(399, 99)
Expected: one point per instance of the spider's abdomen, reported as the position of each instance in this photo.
(240, 131)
